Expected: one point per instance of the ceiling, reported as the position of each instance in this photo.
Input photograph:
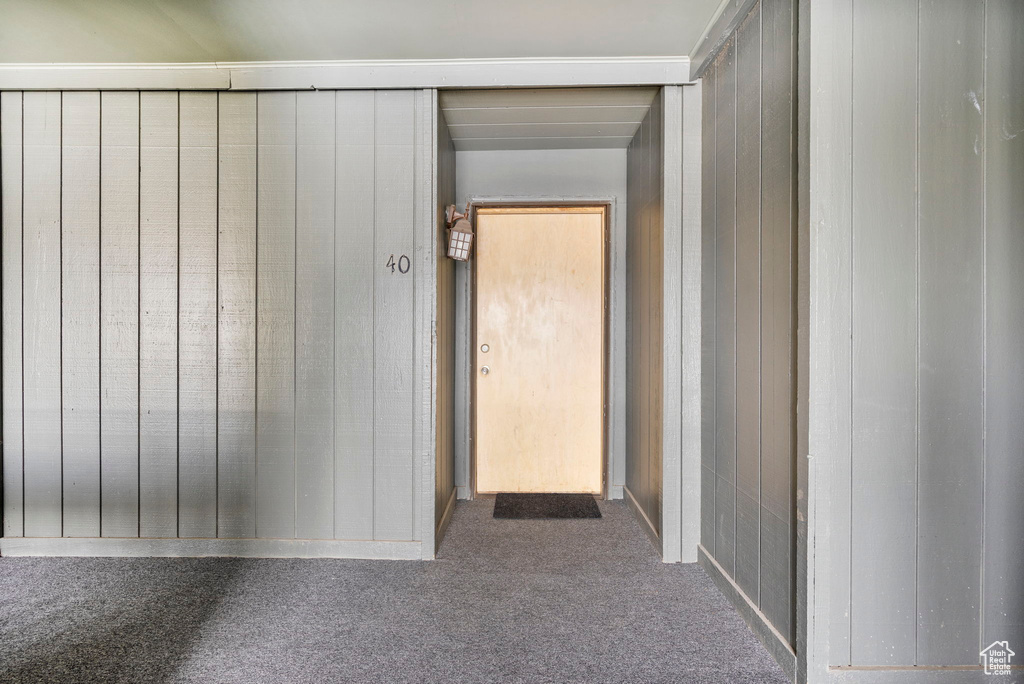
(131, 31)
(549, 118)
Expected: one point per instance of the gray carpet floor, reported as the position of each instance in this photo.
(507, 601)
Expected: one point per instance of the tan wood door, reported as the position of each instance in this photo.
(539, 352)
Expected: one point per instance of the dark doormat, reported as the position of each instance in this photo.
(533, 506)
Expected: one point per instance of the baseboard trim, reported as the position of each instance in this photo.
(908, 675)
(195, 548)
(446, 518)
(770, 638)
(645, 522)
(352, 74)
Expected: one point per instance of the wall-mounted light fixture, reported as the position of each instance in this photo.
(460, 234)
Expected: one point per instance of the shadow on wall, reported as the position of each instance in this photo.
(106, 619)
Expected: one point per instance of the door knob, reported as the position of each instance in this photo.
(485, 370)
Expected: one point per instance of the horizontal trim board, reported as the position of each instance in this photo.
(547, 97)
(913, 668)
(196, 548)
(477, 116)
(350, 74)
(554, 143)
(544, 130)
(114, 77)
(912, 675)
(775, 643)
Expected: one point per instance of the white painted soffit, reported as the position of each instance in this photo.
(545, 118)
(351, 74)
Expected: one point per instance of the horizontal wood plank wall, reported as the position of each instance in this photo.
(933, 543)
(643, 333)
(203, 334)
(748, 294)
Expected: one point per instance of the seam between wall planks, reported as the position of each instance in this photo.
(3, 459)
(917, 360)
(60, 280)
(295, 314)
(216, 355)
(334, 323)
(22, 227)
(177, 337)
(373, 346)
(984, 328)
(256, 320)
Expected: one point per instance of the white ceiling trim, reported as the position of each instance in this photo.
(351, 74)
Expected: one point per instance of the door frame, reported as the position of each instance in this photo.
(607, 205)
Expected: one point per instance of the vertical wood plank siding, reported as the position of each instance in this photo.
(951, 254)
(1003, 549)
(202, 334)
(236, 312)
(662, 404)
(41, 305)
(748, 418)
(158, 315)
(197, 317)
(644, 421)
(748, 304)
(393, 200)
(80, 313)
(725, 311)
(445, 362)
(314, 315)
(355, 265)
(11, 137)
(276, 315)
(119, 314)
(927, 540)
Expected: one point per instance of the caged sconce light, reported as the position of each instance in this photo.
(460, 234)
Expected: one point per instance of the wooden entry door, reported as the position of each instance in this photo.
(539, 350)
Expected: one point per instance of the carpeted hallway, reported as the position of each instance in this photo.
(508, 600)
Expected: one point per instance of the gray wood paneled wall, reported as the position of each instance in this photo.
(445, 369)
(925, 422)
(644, 316)
(203, 334)
(662, 393)
(748, 488)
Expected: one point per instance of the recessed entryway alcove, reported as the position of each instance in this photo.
(621, 149)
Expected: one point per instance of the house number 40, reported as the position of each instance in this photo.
(402, 263)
